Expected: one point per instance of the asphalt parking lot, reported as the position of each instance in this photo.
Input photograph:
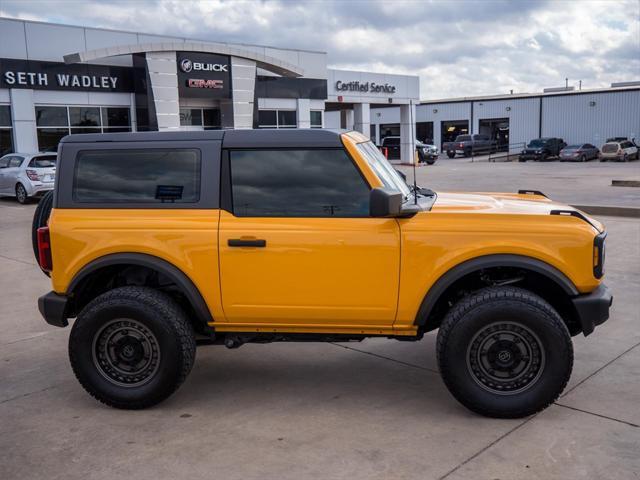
(371, 410)
(574, 183)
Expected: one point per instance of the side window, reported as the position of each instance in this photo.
(137, 176)
(4, 161)
(297, 183)
(16, 161)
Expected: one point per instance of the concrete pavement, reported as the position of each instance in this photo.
(372, 410)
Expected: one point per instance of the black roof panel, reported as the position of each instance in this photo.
(284, 137)
(261, 138)
(165, 136)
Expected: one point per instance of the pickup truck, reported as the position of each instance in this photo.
(468, 145)
(156, 239)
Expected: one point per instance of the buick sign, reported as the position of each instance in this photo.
(187, 66)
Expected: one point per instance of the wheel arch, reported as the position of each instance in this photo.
(83, 280)
(430, 312)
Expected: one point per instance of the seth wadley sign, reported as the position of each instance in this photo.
(41, 75)
(364, 87)
(32, 79)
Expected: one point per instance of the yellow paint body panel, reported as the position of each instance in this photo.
(327, 275)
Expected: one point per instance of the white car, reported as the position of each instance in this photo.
(622, 150)
(24, 175)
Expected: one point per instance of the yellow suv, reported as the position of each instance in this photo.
(156, 239)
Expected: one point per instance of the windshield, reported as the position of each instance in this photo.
(385, 172)
(537, 143)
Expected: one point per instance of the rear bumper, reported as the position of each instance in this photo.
(53, 308)
(593, 308)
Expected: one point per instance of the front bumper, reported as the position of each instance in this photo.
(593, 308)
(53, 308)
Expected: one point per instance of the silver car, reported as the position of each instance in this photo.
(24, 175)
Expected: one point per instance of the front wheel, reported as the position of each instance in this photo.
(504, 352)
(583, 159)
(132, 347)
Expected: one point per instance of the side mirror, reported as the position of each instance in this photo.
(384, 202)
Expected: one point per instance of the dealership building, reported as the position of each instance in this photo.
(576, 116)
(59, 79)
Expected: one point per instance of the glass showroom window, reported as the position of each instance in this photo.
(6, 132)
(53, 123)
(207, 118)
(277, 119)
(316, 118)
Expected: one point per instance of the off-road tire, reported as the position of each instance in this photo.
(21, 194)
(519, 310)
(451, 154)
(161, 317)
(40, 219)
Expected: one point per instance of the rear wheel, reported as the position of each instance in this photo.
(625, 158)
(451, 153)
(21, 194)
(504, 352)
(132, 347)
(467, 152)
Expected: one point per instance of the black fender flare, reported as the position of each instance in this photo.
(489, 261)
(176, 275)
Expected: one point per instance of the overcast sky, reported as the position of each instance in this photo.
(458, 48)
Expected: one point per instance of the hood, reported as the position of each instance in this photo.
(503, 203)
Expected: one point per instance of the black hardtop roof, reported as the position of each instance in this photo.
(260, 138)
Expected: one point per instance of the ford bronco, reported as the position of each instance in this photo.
(154, 240)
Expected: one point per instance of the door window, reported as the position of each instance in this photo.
(297, 183)
(15, 161)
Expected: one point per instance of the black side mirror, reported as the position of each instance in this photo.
(384, 202)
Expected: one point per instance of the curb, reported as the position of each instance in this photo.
(625, 183)
(611, 211)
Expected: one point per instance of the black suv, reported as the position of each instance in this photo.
(542, 149)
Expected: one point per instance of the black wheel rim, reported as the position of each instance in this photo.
(126, 353)
(505, 358)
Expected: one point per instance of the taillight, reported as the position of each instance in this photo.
(44, 249)
(460, 145)
(33, 175)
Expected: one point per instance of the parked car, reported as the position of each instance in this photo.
(229, 237)
(25, 175)
(619, 151)
(468, 145)
(579, 153)
(542, 149)
(426, 153)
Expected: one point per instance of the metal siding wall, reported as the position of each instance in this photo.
(445, 112)
(571, 118)
(523, 116)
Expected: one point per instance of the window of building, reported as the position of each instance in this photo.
(277, 119)
(137, 176)
(297, 183)
(424, 132)
(6, 130)
(316, 118)
(53, 123)
(207, 118)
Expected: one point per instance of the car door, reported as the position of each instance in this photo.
(4, 165)
(297, 246)
(10, 174)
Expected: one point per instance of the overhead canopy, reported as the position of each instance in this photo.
(265, 62)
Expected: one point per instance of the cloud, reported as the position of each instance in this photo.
(458, 48)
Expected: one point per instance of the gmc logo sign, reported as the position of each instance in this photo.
(202, 83)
